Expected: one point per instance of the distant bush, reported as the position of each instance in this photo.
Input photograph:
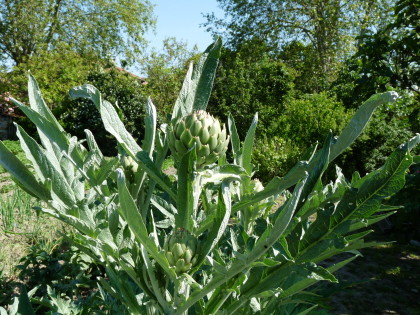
(274, 156)
(56, 71)
(309, 118)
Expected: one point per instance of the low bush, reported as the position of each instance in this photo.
(274, 156)
(305, 120)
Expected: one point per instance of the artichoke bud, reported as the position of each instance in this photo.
(256, 185)
(202, 130)
(180, 250)
(130, 167)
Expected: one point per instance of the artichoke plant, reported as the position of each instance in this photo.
(202, 130)
(213, 241)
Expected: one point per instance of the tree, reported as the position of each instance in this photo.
(246, 84)
(387, 58)
(57, 71)
(329, 26)
(108, 27)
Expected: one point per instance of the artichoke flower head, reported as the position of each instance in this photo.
(180, 250)
(202, 130)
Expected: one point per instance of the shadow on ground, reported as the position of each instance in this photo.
(386, 280)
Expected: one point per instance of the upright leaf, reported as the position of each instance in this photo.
(235, 141)
(131, 214)
(109, 115)
(196, 89)
(248, 144)
(150, 127)
(219, 223)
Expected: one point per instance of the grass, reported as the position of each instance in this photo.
(15, 209)
(21, 228)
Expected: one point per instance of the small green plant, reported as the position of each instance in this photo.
(212, 241)
(15, 209)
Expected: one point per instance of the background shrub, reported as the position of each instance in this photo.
(274, 156)
(56, 71)
(309, 118)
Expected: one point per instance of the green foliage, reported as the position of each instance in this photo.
(56, 70)
(247, 84)
(28, 28)
(302, 61)
(307, 119)
(391, 53)
(386, 58)
(122, 89)
(274, 156)
(249, 256)
(302, 122)
(327, 28)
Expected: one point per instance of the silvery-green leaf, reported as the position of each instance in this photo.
(150, 128)
(198, 82)
(234, 138)
(248, 144)
(187, 180)
(21, 174)
(219, 224)
(129, 211)
(109, 115)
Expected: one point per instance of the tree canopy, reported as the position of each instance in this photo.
(328, 26)
(109, 27)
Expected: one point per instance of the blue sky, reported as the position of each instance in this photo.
(181, 19)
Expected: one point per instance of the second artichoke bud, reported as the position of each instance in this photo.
(180, 250)
(203, 130)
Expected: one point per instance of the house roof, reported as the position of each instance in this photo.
(143, 80)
